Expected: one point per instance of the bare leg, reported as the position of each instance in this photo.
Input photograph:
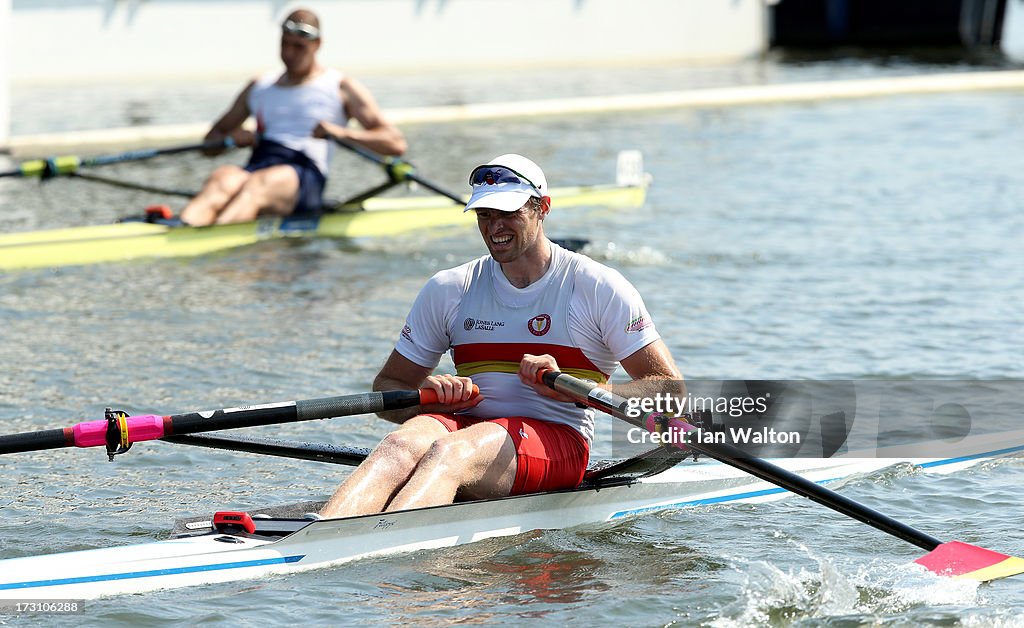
(372, 485)
(273, 190)
(480, 458)
(222, 184)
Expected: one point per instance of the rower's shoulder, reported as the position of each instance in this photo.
(346, 82)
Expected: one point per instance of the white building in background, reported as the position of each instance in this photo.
(5, 86)
(61, 42)
(58, 41)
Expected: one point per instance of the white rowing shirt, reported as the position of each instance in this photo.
(288, 115)
(586, 315)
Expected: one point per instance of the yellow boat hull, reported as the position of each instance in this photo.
(379, 217)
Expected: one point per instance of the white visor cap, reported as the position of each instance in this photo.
(504, 183)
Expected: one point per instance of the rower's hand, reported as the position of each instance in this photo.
(213, 136)
(243, 138)
(240, 137)
(453, 392)
(530, 365)
(327, 130)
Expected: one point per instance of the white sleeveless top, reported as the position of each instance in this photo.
(586, 315)
(287, 115)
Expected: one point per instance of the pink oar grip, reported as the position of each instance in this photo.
(140, 428)
(429, 395)
(676, 429)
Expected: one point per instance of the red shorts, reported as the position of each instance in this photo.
(549, 456)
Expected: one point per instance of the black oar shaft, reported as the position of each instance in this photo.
(316, 452)
(615, 405)
(69, 164)
(290, 411)
(35, 441)
(398, 169)
(270, 414)
(800, 485)
(131, 429)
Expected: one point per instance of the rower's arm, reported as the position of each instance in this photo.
(651, 367)
(401, 373)
(653, 371)
(376, 133)
(230, 124)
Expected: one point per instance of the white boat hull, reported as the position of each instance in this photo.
(218, 557)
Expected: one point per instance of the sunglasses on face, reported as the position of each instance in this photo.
(304, 31)
(493, 175)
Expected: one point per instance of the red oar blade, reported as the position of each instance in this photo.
(963, 560)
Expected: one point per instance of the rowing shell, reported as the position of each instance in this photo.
(378, 217)
(211, 556)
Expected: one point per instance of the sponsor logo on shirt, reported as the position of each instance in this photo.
(407, 333)
(481, 325)
(638, 324)
(539, 325)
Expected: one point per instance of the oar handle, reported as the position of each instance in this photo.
(671, 429)
(607, 401)
(429, 395)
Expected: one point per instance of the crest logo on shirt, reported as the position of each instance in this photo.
(468, 324)
(539, 325)
(407, 333)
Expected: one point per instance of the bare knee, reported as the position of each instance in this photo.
(455, 453)
(227, 178)
(274, 190)
(222, 184)
(400, 450)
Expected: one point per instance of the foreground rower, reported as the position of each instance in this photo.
(528, 305)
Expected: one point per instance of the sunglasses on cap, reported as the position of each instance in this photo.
(304, 31)
(493, 175)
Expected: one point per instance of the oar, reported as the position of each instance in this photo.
(69, 164)
(316, 452)
(117, 431)
(398, 169)
(953, 558)
(131, 185)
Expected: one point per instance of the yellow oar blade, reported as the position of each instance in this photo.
(963, 560)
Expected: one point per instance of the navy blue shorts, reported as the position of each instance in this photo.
(311, 180)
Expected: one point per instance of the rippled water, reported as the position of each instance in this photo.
(855, 239)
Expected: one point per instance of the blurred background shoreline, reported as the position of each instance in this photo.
(111, 73)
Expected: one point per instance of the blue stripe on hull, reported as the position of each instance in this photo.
(149, 574)
(775, 491)
(988, 454)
